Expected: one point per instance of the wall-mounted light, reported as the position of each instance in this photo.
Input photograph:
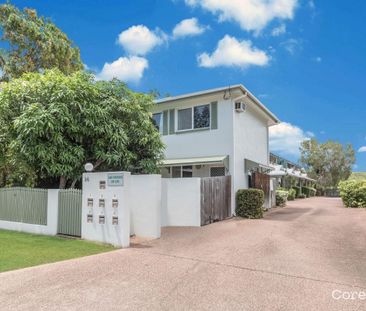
(89, 167)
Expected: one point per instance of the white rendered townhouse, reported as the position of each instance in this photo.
(217, 132)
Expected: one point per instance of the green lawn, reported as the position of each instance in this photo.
(358, 175)
(20, 250)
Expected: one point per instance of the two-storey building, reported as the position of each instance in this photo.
(216, 132)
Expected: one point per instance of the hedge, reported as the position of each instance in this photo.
(291, 194)
(308, 191)
(353, 193)
(302, 196)
(298, 190)
(249, 203)
(281, 197)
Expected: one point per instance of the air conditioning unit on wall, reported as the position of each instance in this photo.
(240, 106)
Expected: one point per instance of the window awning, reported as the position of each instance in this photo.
(224, 160)
(253, 165)
(277, 173)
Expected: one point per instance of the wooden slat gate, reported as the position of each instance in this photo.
(69, 212)
(262, 181)
(215, 199)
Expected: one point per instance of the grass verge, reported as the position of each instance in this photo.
(20, 250)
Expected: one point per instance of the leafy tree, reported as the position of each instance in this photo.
(35, 44)
(328, 163)
(56, 123)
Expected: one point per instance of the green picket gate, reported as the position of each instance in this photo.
(69, 212)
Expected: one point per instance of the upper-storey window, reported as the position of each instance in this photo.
(194, 118)
(158, 121)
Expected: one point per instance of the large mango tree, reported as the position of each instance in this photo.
(52, 124)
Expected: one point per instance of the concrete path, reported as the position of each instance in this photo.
(293, 259)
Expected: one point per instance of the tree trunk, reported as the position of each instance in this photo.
(99, 162)
(63, 181)
(73, 183)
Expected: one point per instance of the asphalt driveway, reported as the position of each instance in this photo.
(293, 259)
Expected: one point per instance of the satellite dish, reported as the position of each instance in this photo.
(89, 167)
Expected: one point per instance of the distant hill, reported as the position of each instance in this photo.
(358, 175)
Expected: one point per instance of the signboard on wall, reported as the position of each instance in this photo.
(115, 179)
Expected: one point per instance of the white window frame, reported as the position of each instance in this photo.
(181, 171)
(192, 119)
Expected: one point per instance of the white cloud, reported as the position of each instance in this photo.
(251, 15)
(127, 69)
(231, 52)
(188, 27)
(292, 45)
(139, 40)
(286, 138)
(280, 30)
(362, 149)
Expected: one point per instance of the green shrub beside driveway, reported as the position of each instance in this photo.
(353, 193)
(20, 250)
(249, 203)
(281, 197)
(291, 194)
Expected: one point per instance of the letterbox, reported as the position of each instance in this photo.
(114, 203)
(102, 184)
(89, 218)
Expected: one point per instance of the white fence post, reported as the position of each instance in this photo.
(52, 211)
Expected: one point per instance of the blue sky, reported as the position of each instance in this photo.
(305, 60)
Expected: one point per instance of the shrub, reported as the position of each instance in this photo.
(298, 190)
(308, 191)
(305, 191)
(291, 194)
(302, 196)
(353, 193)
(249, 203)
(281, 197)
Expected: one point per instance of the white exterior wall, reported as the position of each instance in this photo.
(200, 143)
(52, 214)
(145, 203)
(250, 142)
(181, 202)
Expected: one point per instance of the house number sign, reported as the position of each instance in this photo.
(115, 180)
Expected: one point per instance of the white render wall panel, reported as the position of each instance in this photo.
(181, 202)
(145, 203)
